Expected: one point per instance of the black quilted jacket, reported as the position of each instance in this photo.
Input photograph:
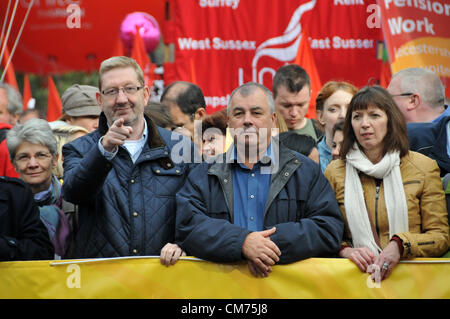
(125, 208)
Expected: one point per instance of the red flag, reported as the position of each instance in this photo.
(139, 53)
(54, 105)
(385, 74)
(26, 92)
(10, 76)
(306, 60)
(193, 73)
(118, 49)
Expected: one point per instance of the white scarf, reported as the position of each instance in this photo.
(387, 169)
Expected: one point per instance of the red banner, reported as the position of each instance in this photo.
(71, 35)
(227, 43)
(417, 34)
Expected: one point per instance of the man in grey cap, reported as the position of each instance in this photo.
(80, 107)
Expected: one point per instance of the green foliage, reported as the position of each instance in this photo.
(39, 84)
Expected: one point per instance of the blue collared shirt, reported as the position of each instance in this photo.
(440, 117)
(448, 138)
(443, 114)
(324, 154)
(250, 191)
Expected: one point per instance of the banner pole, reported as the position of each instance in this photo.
(17, 40)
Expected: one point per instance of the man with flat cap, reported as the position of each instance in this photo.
(80, 107)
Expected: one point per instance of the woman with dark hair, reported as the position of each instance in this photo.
(214, 131)
(337, 138)
(391, 198)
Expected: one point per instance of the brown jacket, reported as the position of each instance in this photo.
(428, 234)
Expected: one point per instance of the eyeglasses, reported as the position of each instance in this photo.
(39, 156)
(128, 90)
(402, 94)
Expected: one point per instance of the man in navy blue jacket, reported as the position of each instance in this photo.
(123, 175)
(433, 140)
(259, 202)
(23, 236)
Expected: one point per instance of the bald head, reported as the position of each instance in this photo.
(187, 96)
(173, 90)
(419, 94)
(186, 104)
(423, 82)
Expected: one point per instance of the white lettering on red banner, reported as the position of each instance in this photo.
(399, 25)
(266, 35)
(340, 43)
(426, 5)
(217, 101)
(219, 3)
(216, 44)
(348, 2)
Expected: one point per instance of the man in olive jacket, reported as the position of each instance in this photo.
(257, 202)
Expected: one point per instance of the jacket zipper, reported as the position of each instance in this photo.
(426, 243)
(377, 195)
(411, 182)
(408, 247)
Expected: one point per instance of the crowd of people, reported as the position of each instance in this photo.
(257, 182)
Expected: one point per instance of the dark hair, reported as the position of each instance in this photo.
(338, 126)
(304, 144)
(396, 138)
(189, 98)
(159, 113)
(291, 76)
(30, 111)
(217, 119)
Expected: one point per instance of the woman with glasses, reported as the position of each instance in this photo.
(33, 151)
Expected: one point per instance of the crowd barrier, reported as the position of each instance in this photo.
(145, 277)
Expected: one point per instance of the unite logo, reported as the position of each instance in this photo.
(282, 48)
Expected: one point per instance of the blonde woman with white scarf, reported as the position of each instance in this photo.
(391, 198)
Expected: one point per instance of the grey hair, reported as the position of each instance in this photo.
(247, 89)
(423, 82)
(15, 105)
(35, 131)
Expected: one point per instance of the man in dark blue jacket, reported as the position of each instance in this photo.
(259, 202)
(433, 140)
(23, 236)
(123, 175)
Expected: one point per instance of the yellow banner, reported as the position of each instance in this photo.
(194, 279)
(432, 53)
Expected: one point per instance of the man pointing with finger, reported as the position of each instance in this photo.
(122, 175)
(259, 202)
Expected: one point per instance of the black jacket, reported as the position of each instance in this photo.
(125, 208)
(23, 236)
(301, 204)
(430, 139)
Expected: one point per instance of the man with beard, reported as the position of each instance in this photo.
(122, 175)
(260, 202)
